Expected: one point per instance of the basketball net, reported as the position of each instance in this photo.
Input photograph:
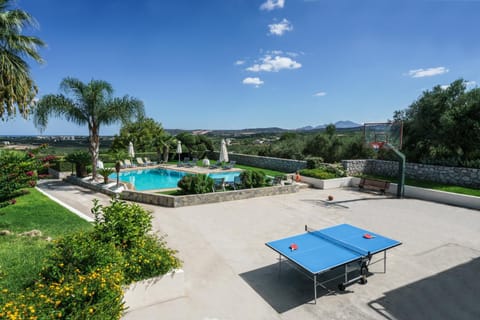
(377, 145)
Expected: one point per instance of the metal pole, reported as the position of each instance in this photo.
(401, 171)
(279, 264)
(385, 261)
(315, 287)
(346, 273)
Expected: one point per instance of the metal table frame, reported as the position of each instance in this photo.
(362, 264)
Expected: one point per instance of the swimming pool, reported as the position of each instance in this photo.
(158, 178)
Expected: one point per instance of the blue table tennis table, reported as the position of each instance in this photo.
(317, 251)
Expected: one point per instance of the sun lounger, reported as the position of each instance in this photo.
(218, 183)
(237, 183)
(141, 163)
(128, 164)
(122, 164)
(229, 165)
(216, 165)
(193, 163)
(148, 162)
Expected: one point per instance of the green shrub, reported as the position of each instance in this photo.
(17, 170)
(326, 171)
(61, 165)
(317, 173)
(196, 184)
(121, 223)
(105, 172)
(252, 179)
(314, 162)
(80, 159)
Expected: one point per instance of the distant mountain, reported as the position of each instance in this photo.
(345, 124)
(307, 128)
(341, 125)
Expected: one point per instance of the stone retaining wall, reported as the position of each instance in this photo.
(467, 177)
(278, 164)
(188, 200)
(99, 187)
(213, 197)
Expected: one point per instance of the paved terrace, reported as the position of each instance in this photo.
(231, 274)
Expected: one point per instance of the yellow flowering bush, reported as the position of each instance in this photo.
(148, 258)
(83, 274)
(95, 295)
(129, 227)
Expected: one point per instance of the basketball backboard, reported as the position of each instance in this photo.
(379, 134)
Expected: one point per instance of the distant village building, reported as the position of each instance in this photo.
(6, 143)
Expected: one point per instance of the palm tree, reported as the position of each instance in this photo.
(17, 89)
(90, 104)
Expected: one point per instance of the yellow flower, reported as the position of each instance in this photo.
(90, 310)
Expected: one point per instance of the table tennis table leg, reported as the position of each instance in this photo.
(279, 264)
(315, 288)
(385, 261)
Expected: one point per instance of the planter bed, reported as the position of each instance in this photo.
(438, 196)
(155, 290)
(187, 200)
(326, 183)
(212, 197)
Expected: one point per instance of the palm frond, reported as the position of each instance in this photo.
(57, 106)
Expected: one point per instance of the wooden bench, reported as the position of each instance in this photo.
(373, 184)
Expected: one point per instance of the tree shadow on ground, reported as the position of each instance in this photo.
(342, 203)
(451, 294)
(60, 185)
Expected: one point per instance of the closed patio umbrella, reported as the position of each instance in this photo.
(131, 151)
(179, 149)
(223, 152)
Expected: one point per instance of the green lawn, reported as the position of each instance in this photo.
(431, 185)
(267, 172)
(21, 257)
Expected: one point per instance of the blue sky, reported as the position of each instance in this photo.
(233, 64)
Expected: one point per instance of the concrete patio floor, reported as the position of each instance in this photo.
(231, 274)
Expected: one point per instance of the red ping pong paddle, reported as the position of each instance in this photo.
(293, 246)
(368, 236)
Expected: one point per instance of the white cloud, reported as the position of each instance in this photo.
(320, 94)
(275, 52)
(292, 54)
(274, 64)
(430, 72)
(269, 5)
(278, 29)
(253, 81)
(445, 86)
(239, 62)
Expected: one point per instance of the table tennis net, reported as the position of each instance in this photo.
(320, 234)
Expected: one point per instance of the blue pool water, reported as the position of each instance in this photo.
(151, 179)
